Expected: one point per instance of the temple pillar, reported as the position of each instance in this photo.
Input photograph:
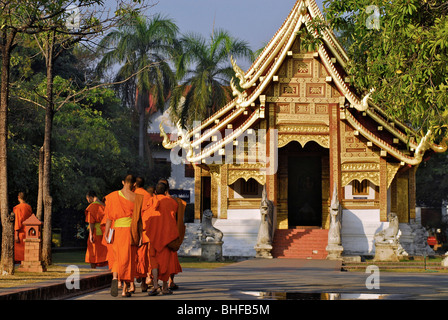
(412, 192)
(383, 190)
(197, 192)
(403, 196)
(224, 191)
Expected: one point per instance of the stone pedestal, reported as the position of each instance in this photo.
(386, 252)
(211, 251)
(32, 260)
(334, 252)
(33, 246)
(263, 251)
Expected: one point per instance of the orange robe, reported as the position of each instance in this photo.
(96, 251)
(179, 217)
(109, 246)
(119, 210)
(161, 230)
(22, 212)
(143, 261)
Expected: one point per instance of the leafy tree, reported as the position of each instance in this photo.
(148, 45)
(205, 70)
(16, 18)
(404, 56)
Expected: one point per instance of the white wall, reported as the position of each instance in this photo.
(177, 179)
(240, 232)
(358, 229)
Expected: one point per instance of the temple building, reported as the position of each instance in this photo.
(299, 129)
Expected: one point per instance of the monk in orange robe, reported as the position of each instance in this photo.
(143, 261)
(161, 230)
(22, 211)
(179, 217)
(110, 250)
(96, 253)
(119, 211)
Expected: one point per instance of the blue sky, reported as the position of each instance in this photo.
(254, 21)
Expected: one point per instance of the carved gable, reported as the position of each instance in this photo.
(301, 92)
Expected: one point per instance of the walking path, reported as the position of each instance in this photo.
(277, 279)
(258, 279)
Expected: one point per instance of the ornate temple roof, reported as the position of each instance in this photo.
(249, 106)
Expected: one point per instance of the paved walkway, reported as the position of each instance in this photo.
(293, 279)
(257, 280)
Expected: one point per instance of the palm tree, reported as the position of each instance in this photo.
(206, 72)
(142, 47)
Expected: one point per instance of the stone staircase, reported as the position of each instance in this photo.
(300, 243)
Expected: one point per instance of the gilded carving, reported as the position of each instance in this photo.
(303, 108)
(303, 68)
(392, 169)
(321, 109)
(349, 176)
(303, 129)
(214, 170)
(283, 108)
(284, 139)
(302, 118)
(288, 90)
(257, 175)
(360, 167)
(315, 90)
(302, 99)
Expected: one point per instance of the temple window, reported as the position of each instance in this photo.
(360, 188)
(189, 170)
(249, 187)
(243, 189)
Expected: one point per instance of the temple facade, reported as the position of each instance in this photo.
(300, 130)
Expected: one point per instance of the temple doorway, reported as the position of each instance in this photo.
(304, 191)
(303, 183)
(206, 185)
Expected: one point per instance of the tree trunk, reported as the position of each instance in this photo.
(7, 254)
(40, 196)
(46, 178)
(141, 126)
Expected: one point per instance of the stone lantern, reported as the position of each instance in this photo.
(33, 246)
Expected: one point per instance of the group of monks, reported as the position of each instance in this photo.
(137, 233)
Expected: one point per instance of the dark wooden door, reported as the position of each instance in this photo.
(304, 191)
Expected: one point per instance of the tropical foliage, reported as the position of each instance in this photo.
(142, 47)
(400, 48)
(205, 72)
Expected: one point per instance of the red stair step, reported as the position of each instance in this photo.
(300, 243)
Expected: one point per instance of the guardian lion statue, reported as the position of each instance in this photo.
(389, 235)
(209, 232)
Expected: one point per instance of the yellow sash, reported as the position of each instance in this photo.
(123, 222)
(98, 229)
